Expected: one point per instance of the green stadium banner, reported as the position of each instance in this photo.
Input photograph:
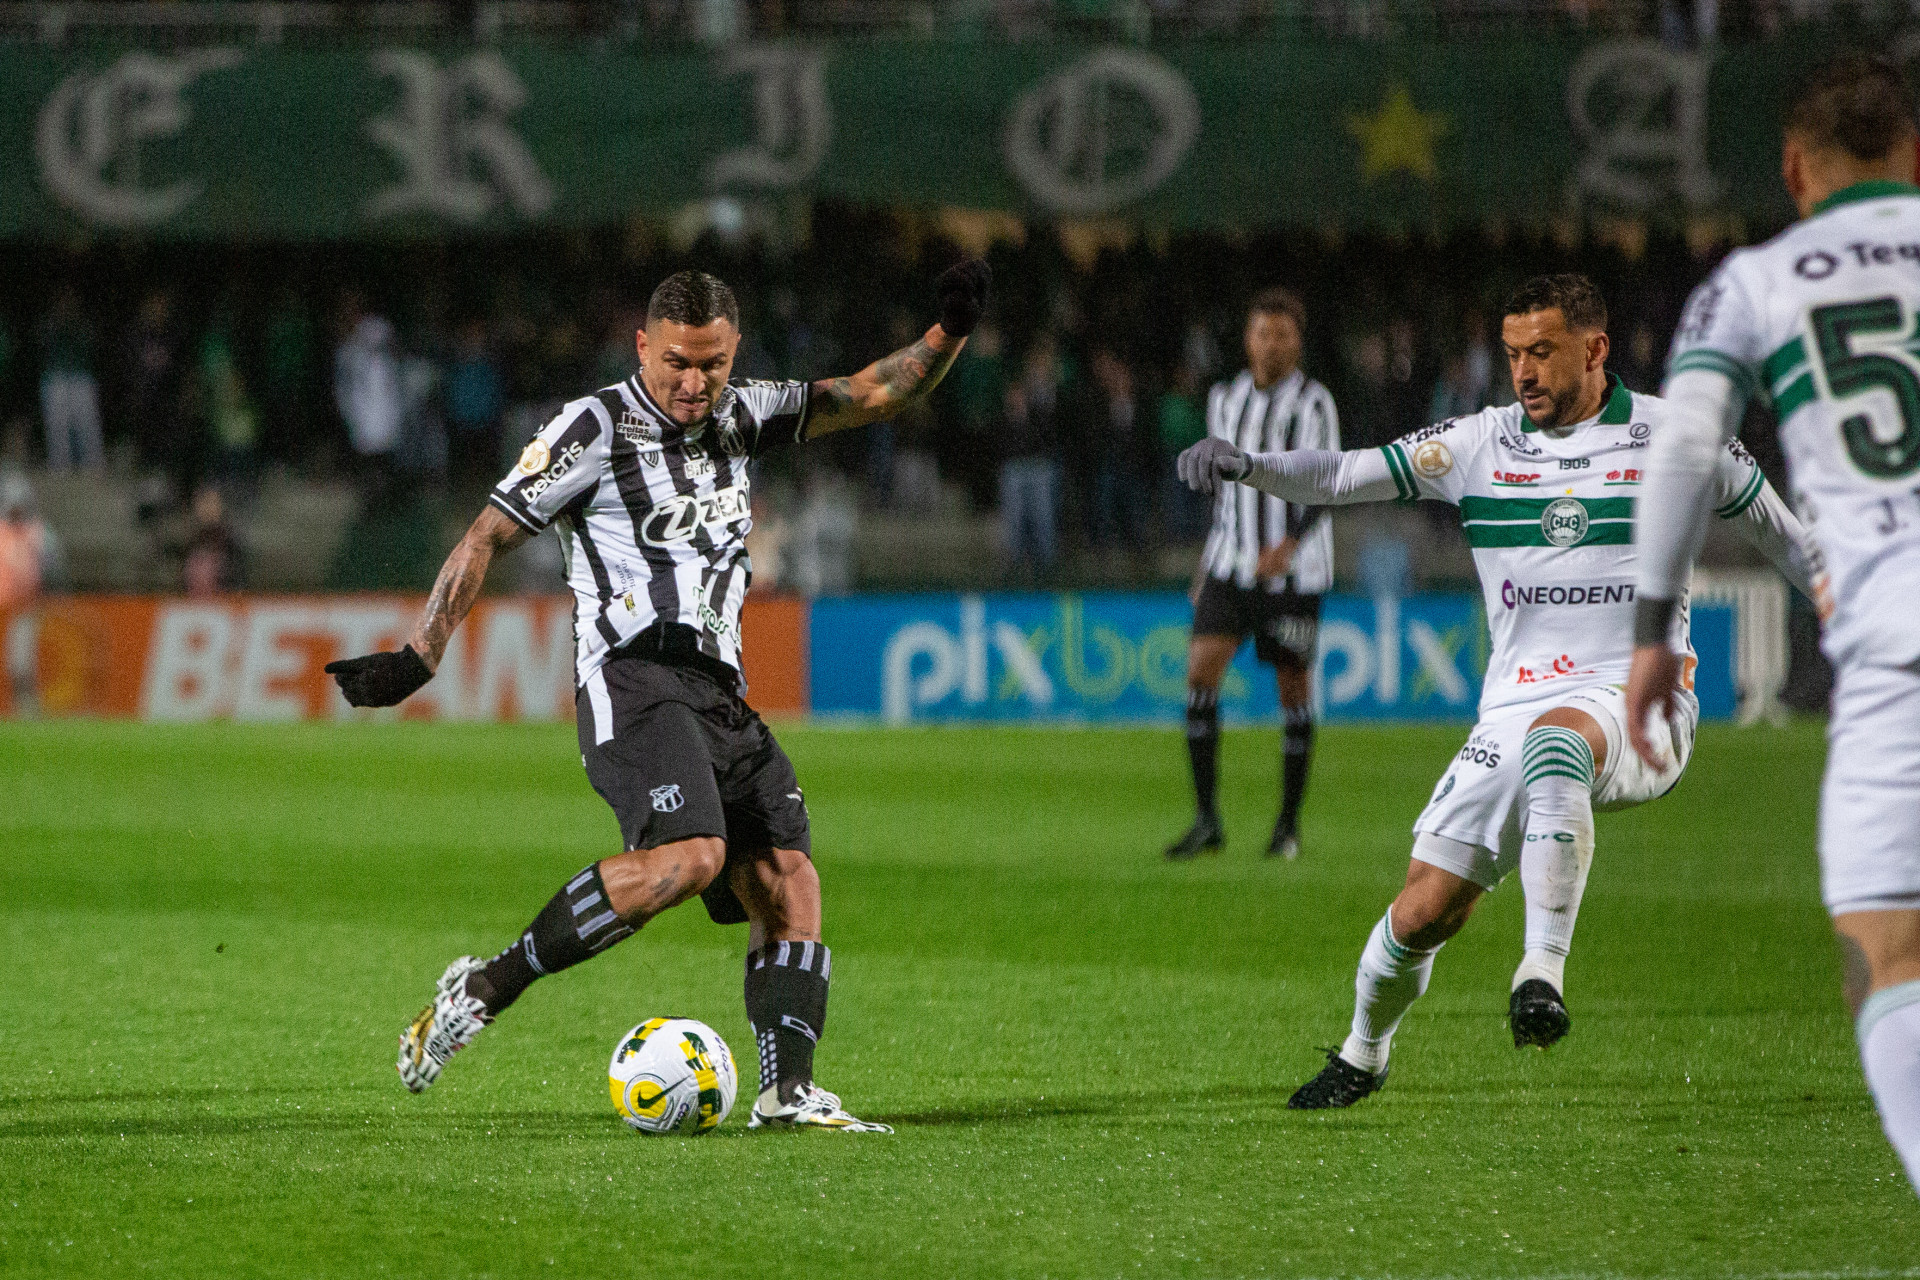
(268, 142)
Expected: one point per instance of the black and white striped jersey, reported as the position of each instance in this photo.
(653, 515)
(1294, 413)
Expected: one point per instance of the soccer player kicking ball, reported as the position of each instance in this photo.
(1546, 490)
(1822, 319)
(648, 481)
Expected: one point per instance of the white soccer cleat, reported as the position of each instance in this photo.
(812, 1108)
(443, 1028)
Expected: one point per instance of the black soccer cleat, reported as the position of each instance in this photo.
(1285, 843)
(1339, 1084)
(1537, 1014)
(1205, 836)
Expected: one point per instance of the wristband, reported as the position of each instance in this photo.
(1653, 620)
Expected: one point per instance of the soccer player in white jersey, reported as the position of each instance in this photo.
(1821, 319)
(648, 481)
(1546, 491)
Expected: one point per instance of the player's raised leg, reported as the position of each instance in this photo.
(1395, 966)
(605, 903)
(787, 973)
(1561, 757)
(1207, 659)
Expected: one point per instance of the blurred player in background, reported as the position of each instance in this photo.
(1545, 490)
(649, 481)
(1821, 319)
(1266, 564)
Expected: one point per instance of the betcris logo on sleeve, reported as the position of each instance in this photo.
(1123, 657)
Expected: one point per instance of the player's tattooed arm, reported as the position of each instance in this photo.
(884, 387)
(458, 585)
(887, 386)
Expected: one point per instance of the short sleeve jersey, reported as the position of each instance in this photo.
(1549, 516)
(1820, 320)
(653, 515)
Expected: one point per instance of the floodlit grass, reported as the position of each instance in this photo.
(214, 934)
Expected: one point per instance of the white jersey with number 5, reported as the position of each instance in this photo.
(1822, 320)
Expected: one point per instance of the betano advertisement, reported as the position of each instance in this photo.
(903, 659)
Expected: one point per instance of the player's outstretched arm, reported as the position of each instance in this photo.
(386, 679)
(888, 385)
(1670, 521)
(1310, 477)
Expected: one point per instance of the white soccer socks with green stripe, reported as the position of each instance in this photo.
(1889, 1029)
(1557, 765)
(1392, 976)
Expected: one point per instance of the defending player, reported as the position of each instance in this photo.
(1822, 320)
(648, 480)
(1545, 490)
(1265, 566)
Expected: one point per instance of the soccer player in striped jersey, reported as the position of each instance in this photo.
(1266, 564)
(1822, 320)
(647, 480)
(1545, 488)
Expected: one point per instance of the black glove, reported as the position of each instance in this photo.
(963, 295)
(380, 679)
(1202, 467)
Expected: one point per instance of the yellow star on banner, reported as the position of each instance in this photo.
(1398, 136)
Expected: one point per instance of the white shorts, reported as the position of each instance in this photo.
(1482, 800)
(1870, 802)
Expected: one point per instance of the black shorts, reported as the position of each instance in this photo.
(688, 758)
(1285, 625)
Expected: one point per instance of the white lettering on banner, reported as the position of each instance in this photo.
(187, 663)
(1386, 634)
(957, 663)
(1101, 133)
(91, 127)
(451, 137)
(1355, 647)
(900, 690)
(540, 674)
(792, 118)
(1436, 663)
(267, 659)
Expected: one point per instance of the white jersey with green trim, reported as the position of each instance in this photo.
(1549, 515)
(1821, 320)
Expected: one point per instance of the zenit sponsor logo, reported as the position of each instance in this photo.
(1513, 596)
(1821, 263)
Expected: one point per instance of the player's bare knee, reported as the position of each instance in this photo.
(641, 883)
(1433, 906)
(1207, 660)
(1581, 723)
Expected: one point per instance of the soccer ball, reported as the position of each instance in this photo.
(672, 1075)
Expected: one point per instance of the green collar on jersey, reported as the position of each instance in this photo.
(1876, 189)
(1615, 410)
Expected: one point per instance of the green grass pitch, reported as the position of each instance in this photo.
(213, 936)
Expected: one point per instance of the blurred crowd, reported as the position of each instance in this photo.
(189, 370)
(1675, 22)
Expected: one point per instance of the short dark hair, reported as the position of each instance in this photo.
(695, 298)
(1580, 304)
(1852, 102)
(1276, 301)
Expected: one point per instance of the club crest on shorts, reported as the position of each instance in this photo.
(668, 798)
(1564, 522)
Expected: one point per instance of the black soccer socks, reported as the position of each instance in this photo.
(576, 924)
(1296, 753)
(787, 1004)
(1203, 746)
